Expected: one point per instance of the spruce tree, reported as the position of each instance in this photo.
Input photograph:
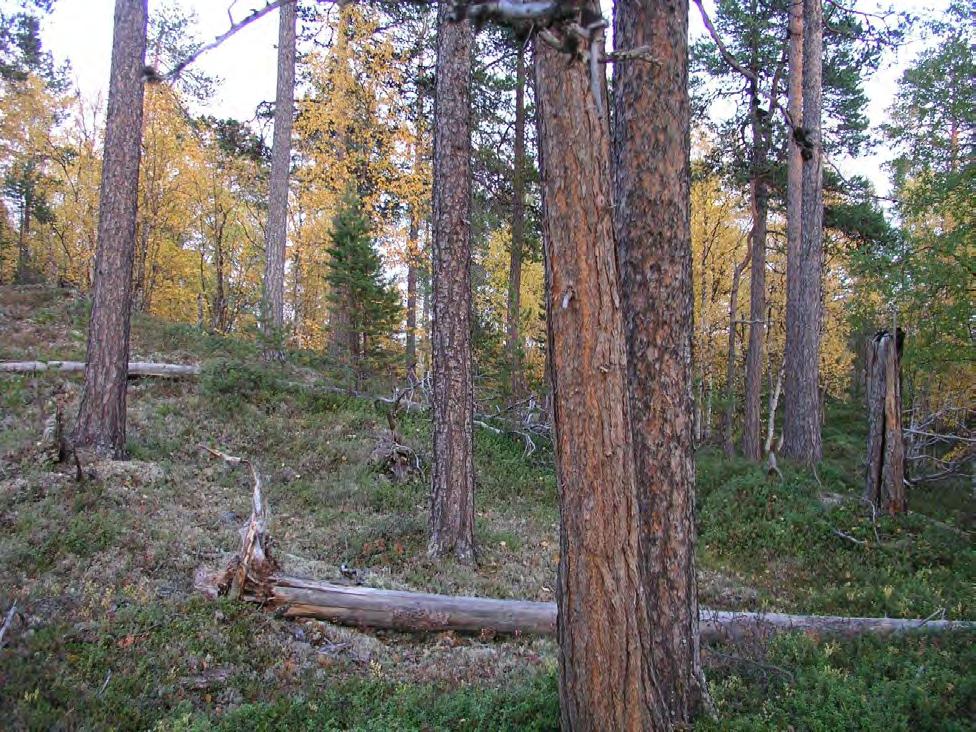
(365, 307)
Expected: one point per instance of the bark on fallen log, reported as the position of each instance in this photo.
(254, 575)
(299, 597)
(136, 368)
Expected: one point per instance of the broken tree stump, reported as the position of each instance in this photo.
(885, 480)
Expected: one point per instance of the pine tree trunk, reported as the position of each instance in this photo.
(602, 627)
(412, 255)
(23, 252)
(413, 261)
(452, 497)
(885, 485)
(759, 195)
(652, 188)
(518, 232)
(728, 419)
(802, 415)
(275, 236)
(101, 415)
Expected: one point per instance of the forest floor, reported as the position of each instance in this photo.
(109, 632)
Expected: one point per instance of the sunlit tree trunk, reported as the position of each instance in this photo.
(452, 495)
(602, 623)
(275, 236)
(101, 415)
(802, 411)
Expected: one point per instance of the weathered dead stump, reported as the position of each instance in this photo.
(252, 568)
(885, 483)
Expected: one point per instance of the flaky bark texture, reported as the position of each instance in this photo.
(885, 484)
(452, 497)
(652, 196)
(101, 416)
(801, 418)
(273, 300)
(602, 612)
(759, 204)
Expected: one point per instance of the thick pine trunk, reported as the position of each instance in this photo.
(273, 300)
(603, 677)
(885, 484)
(759, 195)
(452, 495)
(652, 189)
(518, 232)
(802, 415)
(101, 415)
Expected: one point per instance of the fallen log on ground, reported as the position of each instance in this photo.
(254, 575)
(136, 368)
(299, 597)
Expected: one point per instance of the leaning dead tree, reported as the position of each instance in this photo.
(254, 575)
(885, 482)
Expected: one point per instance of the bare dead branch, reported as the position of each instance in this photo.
(234, 28)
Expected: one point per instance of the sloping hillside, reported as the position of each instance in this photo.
(109, 631)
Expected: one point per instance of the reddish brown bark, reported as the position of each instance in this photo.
(452, 497)
(652, 202)
(101, 415)
(602, 626)
(802, 438)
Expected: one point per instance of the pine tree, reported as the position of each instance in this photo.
(365, 307)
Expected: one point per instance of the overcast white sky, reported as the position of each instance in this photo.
(81, 30)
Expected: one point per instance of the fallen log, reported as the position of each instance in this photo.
(300, 597)
(136, 368)
(255, 576)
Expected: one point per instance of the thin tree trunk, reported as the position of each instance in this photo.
(773, 404)
(23, 253)
(412, 255)
(452, 495)
(728, 420)
(802, 439)
(218, 311)
(759, 196)
(101, 415)
(652, 202)
(513, 345)
(603, 625)
(413, 262)
(275, 236)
